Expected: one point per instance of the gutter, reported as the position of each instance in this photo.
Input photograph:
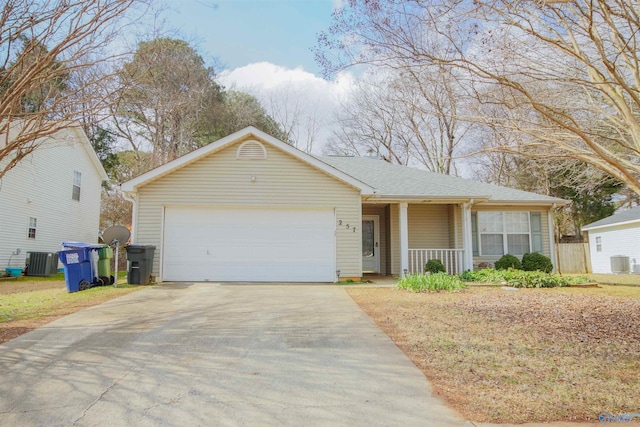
(448, 199)
(613, 224)
(134, 212)
(551, 203)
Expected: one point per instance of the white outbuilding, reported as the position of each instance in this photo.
(614, 242)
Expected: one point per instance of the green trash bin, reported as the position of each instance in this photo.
(104, 265)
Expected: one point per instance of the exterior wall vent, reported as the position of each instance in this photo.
(251, 150)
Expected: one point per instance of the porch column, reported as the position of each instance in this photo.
(467, 242)
(404, 238)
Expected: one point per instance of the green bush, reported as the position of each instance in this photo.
(508, 261)
(486, 275)
(521, 279)
(434, 266)
(431, 282)
(536, 262)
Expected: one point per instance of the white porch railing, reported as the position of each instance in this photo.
(453, 259)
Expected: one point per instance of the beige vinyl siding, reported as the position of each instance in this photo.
(429, 227)
(455, 227)
(544, 216)
(383, 240)
(281, 181)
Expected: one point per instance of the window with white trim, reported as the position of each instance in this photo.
(77, 181)
(499, 233)
(598, 244)
(33, 224)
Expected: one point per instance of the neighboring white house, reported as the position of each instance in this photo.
(51, 196)
(615, 236)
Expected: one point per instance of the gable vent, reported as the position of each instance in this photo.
(251, 150)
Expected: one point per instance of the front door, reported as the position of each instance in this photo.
(370, 244)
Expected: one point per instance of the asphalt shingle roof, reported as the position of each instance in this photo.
(632, 214)
(395, 180)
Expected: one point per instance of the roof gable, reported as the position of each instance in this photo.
(71, 134)
(245, 134)
(628, 216)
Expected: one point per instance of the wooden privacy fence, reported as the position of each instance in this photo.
(573, 258)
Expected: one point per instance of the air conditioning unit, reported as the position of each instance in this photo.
(619, 264)
(41, 263)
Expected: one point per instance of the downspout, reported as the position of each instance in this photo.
(134, 213)
(552, 239)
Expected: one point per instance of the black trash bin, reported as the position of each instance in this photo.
(140, 259)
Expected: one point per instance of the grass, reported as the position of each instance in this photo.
(351, 282)
(53, 278)
(532, 355)
(26, 304)
(602, 290)
(431, 282)
(616, 279)
(38, 303)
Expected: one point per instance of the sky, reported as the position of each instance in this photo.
(264, 47)
(242, 32)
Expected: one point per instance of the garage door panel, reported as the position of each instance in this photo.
(249, 245)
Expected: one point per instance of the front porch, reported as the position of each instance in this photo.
(400, 238)
(452, 259)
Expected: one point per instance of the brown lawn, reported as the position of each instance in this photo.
(519, 356)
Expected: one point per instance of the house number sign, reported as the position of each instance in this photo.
(346, 226)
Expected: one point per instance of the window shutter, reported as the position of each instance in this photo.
(474, 233)
(536, 232)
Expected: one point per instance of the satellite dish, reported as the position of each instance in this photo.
(116, 236)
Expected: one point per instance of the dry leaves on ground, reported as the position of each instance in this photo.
(518, 356)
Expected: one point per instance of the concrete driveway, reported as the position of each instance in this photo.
(215, 354)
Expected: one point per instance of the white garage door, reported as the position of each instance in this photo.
(258, 245)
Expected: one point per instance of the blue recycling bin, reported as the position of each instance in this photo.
(88, 268)
(77, 269)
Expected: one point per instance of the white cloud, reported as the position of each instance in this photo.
(289, 94)
(338, 4)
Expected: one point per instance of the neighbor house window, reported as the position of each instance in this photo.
(33, 223)
(598, 244)
(77, 180)
(499, 233)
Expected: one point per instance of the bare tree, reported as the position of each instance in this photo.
(568, 71)
(368, 124)
(165, 88)
(297, 112)
(408, 116)
(44, 45)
